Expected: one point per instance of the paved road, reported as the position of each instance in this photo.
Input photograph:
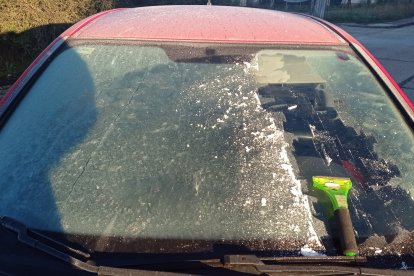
(394, 48)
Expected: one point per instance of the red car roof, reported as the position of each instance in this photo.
(206, 23)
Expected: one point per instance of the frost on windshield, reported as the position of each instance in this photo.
(124, 142)
(187, 152)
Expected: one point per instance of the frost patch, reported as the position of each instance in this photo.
(378, 251)
(328, 160)
(404, 266)
(309, 252)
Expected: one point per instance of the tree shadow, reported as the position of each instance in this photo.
(51, 115)
(18, 50)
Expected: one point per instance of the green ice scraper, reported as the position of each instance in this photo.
(337, 189)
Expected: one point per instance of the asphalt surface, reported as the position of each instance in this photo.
(393, 46)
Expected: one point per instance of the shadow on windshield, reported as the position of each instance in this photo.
(55, 115)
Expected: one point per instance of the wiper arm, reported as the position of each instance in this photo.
(23, 237)
(22, 234)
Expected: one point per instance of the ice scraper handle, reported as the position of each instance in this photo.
(337, 188)
(346, 232)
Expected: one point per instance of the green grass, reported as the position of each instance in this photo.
(28, 26)
(25, 14)
(375, 13)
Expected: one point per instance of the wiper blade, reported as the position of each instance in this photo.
(329, 265)
(320, 260)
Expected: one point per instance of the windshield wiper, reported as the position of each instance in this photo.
(246, 264)
(327, 265)
(52, 250)
(24, 237)
(254, 265)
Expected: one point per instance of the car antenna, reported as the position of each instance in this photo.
(209, 3)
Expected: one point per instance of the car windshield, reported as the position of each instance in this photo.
(182, 146)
